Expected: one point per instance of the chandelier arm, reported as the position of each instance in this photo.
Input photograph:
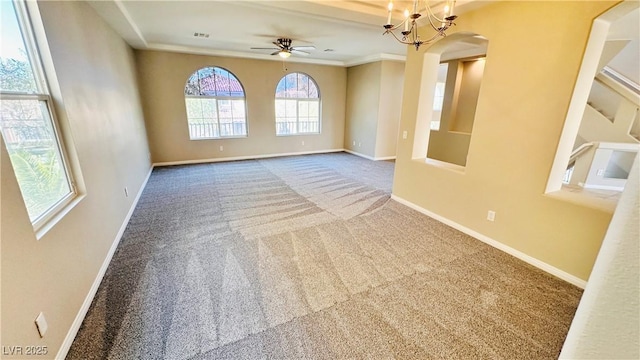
(400, 40)
(432, 15)
(395, 27)
(434, 37)
(439, 28)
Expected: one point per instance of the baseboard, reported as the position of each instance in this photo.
(369, 157)
(498, 245)
(77, 322)
(248, 157)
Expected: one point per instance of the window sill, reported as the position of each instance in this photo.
(221, 138)
(441, 165)
(298, 134)
(49, 224)
(604, 200)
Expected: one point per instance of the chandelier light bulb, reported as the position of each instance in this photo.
(406, 20)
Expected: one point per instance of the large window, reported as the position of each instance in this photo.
(297, 105)
(215, 104)
(27, 119)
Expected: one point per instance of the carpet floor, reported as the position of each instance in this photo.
(307, 257)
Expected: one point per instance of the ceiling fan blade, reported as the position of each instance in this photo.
(310, 47)
(279, 45)
(271, 48)
(298, 52)
(276, 52)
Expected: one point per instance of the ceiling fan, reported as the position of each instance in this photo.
(284, 48)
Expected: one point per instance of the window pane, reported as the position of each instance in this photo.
(238, 110)
(303, 86)
(193, 85)
(209, 109)
(280, 109)
(314, 109)
(290, 108)
(16, 74)
(35, 155)
(222, 82)
(224, 110)
(303, 109)
(281, 89)
(194, 108)
(207, 82)
(313, 90)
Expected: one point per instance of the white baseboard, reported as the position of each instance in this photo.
(498, 245)
(77, 322)
(248, 157)
(369, 157)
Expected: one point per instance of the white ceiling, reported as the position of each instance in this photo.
(352, 29)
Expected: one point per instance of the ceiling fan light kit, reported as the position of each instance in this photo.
(410, 35)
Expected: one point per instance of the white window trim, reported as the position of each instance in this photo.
(298, 99)
(30, 22)
(218, 98)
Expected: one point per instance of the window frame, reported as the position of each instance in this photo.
(25, 18)
(298, 100)
(217, 98)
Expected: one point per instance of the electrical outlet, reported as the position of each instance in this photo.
(41, 324)
(221, 148)
(491, 215)
(359, 144)
(404, 134)
(126, 192)
(302, 142)
(600, 172)
(354, 143)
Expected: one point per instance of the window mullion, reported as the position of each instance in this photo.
(298, 116)
(218, 117)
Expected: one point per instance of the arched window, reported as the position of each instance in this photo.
(215, 104)
(297, 105)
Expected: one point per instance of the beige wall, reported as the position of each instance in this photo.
(163, 75)
(374, 102)
(391, 83)
(528, 82)
(363, 95)
(468, 97)
(101, 111)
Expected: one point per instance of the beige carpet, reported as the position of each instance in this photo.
(308, 258)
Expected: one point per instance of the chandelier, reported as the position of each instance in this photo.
(410, 33)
